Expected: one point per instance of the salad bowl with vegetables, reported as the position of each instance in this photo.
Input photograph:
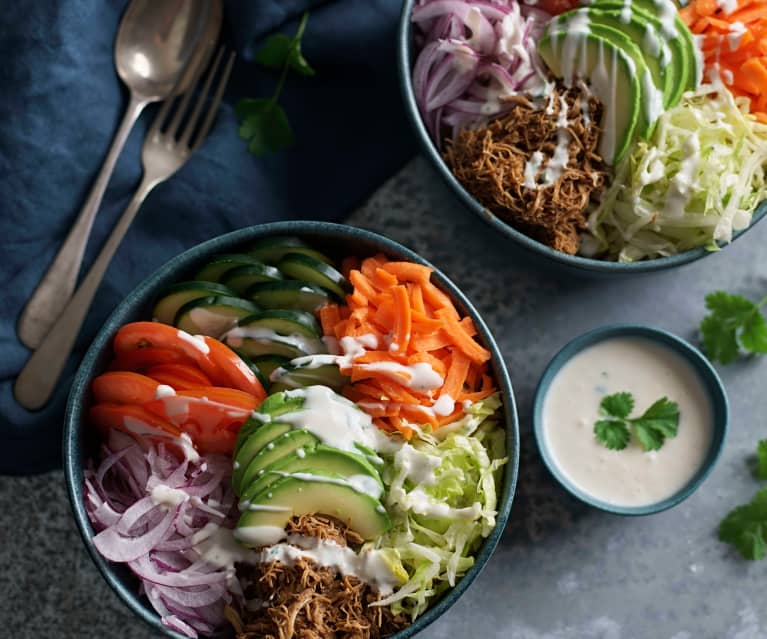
(601, 135)
(297, 429)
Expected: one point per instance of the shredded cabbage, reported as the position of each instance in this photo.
(696, 181)
(442, 497)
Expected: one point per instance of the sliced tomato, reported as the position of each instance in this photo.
(555, 7)
(233, 372)
(132, 419)
(124, 387)
(139, 335)
(178, 376)
(212, 416)
(142, 359)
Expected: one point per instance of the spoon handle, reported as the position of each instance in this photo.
(55, 289)
(37, 380)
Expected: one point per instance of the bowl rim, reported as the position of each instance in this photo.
(574, 262)
(148, 288)
(709, 378)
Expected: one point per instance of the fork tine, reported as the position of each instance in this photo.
(160, 117)
(213, 109)
(173, 127)
(192, 122)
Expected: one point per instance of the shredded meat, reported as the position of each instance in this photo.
(306, 601)
(490, 162)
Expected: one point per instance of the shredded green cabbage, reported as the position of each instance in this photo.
(697, 180)
(442, 497)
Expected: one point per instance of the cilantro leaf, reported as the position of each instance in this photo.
(659, 421)
(746, 527)
(264, 125)
(734, 324)
(612, 433)
(760, 467)
(263, 122)
(617, 405)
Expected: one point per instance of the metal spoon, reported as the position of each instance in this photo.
(159, 46)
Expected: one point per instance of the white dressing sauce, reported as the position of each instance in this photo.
(198, 341)
(210, 322)
(727, 6)
(167, 496)
(679, 191)
(532, 167)
(237, 335)
(163, 390)
(628, 477)
(221, 549)
(737, 30)
(420, 377)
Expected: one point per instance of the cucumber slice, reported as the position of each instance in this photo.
(241, 278)
(285, 333)
(292, 294)
(213, 315)
(303, 267)
(267, 363)
(176, 295)
(272, 249)
(215, 270)
(299, 376)
(263, 378)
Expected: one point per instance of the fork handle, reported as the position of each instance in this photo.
(37, 380)
(54, 290)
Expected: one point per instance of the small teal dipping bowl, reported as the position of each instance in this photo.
(712, 386)
(337, 241)
(543, 255)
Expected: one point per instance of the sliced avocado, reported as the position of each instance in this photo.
(680, 67)
(671, 27)
(251, 440)
(612, 75)
(321, 459)
(280, 404)
(642, 33)
(282, 446)
(651, 97)
(363, 514)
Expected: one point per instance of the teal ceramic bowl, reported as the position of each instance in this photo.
(335, 239)
(711, 383)
(542, 254)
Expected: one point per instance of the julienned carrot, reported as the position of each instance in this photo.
(734, 44)
(414, 324)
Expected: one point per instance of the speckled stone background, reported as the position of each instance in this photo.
(562, 570)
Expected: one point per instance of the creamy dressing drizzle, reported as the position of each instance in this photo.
(727, 6)
(236, 336)
(219, 547)
(167, 496)
(198, 341)
(210, 322)
(163, 391)
(735, 35)
(678, 194)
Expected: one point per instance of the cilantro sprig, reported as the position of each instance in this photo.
(652, 428)
(746, 527)
(263, 122)
(733, 326)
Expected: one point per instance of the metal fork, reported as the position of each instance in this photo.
(162, 155)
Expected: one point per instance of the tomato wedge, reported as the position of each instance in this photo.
(234, 373)
(124, 387)
(178, 376)
(143, 358)
(134, 420)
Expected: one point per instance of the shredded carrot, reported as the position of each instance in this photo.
(414, 324)
(735, 45)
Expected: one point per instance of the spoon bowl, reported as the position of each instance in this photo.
(161, 42)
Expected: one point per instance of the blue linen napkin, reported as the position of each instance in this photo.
(60, 103)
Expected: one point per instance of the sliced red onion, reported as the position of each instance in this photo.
(157, 539)
(474, 52)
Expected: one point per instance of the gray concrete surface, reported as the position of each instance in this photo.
(562, 570)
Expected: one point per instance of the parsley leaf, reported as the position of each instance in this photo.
(734, 324)
(659, 421)
(612, 433)
(760, 467)
(746, 527)
(263, 122)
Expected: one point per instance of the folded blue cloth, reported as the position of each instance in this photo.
(61, 102)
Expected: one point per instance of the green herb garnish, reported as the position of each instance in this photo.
(734, 325)
(746, 527)
(263, 122)
(651, 428)
(760, 462)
